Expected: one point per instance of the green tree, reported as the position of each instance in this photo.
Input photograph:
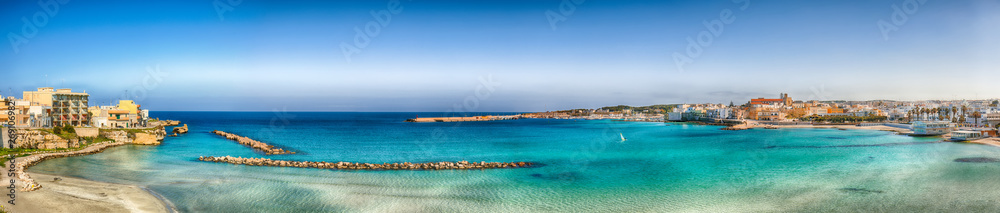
(69, 129)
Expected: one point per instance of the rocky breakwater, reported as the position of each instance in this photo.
(257, 145)
(367, 166)
(23, 163)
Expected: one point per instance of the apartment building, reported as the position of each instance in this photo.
(67, 107)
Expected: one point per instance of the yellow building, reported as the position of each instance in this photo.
(43, 96)
(128, 105)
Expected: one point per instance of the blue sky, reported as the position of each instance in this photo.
(432, 55)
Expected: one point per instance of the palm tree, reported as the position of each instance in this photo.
(953, 111)
(975, 115)
(965, 115)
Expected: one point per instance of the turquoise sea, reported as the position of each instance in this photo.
(662, 167)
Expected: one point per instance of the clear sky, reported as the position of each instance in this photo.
(255, 55)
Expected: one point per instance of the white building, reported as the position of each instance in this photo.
(38, 116)
(723, 113)
(101, 119)
(3, 135)
(675, 116)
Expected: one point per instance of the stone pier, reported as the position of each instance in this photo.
(257, 145)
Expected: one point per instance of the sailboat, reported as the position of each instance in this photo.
(623, 136)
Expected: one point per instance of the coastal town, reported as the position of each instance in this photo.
(50, 123)
(958, 120)
(50, 118)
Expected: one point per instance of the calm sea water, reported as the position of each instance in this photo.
(587, 168)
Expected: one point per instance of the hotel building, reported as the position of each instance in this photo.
(68, 107)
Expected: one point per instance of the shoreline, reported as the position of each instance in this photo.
(22, 163)
(71, 194)
(986, 141)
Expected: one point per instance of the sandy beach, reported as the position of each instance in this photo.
(79, 195)
(987, 141)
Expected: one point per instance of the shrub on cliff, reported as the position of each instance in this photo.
(69, 129)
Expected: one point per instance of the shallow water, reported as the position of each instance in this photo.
(587, 168)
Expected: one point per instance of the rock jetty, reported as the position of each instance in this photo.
(461, 165)
(736, 127)
(259, 146)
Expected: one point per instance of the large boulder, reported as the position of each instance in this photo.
(169, 122)
(181, 130)
(145, 139)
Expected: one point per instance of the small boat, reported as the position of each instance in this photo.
(623, 136)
